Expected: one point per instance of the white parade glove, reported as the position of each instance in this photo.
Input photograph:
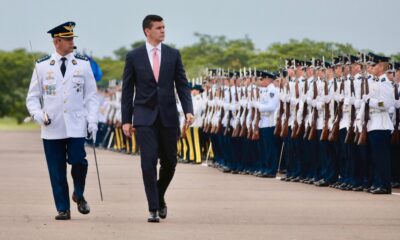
(397, 103)
(313, 103)
(309, 101)
(39, 118)
(287, 98)
(366, 97)
(351, 100)
(92, 129)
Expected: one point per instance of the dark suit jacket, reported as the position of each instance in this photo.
(152, 98)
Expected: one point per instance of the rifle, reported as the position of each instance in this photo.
(228, 128)
(396, 134)
(285, 129)
(244, 130)
(218, 128)
(325, 130)
(302, 127)
(313, 129)
(296, 123)
(364, 131)
(256, 130)
(278, 126)
(206, 110)
(236, 130)
(351, 133)
(334, 135)
(252, 113)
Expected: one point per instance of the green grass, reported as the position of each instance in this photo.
(10, 124)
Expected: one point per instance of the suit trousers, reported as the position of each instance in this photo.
(58, 153)
(157, 142)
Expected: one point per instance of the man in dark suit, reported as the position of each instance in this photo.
(155, 70)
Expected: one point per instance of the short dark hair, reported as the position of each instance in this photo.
(148, 21)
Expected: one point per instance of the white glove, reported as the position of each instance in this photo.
(92, 129)
(397, 103)
(287, 98)
(313, 103)
(39, 118)
(351, 100)
(309, 101)
(366, 97)
(326, 99)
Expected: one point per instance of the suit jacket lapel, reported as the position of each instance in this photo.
(163, 60)
(147, 62)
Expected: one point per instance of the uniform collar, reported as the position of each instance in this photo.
(382, 78)
(58, 57)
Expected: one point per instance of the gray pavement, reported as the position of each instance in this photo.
(203, 203)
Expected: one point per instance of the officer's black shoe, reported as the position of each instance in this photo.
(163, 212)
(287, 179)
(83, 206)
(346, 187)
(153, 217)
(63, 215)
(322, 183)
(357, 189)
(235, 172)
(283, 178)
(226, 169)
(381, 191)
(296, 179)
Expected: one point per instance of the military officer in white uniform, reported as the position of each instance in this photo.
(62, 99)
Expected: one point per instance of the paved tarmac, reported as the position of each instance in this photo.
(203, 203)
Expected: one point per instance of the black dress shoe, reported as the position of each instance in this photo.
(63, 216)
(296, 179)
(381, 191)
(153, 217)
(357, 189)
(163, 212)
(83, 206)
(322, 183)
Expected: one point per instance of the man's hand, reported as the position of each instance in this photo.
(92, 129)
(189, 119)
(127, 128)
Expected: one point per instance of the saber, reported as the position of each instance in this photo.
(97, 169)
(280, 157)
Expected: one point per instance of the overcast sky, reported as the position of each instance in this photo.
(103, 26)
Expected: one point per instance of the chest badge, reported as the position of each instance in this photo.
(74, 61)
(52, 62)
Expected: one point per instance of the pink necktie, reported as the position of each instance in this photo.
(156, 64)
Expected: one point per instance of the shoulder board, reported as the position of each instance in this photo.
(44, 58)
(81, 57)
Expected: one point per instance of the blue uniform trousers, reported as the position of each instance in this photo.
(58, 153)
(379, 145)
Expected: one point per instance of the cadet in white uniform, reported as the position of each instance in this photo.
(269, 143)
(62, 99)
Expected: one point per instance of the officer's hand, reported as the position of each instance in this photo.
(92, 129)
(366, 97)
(42, 119)
(39, 118)
(127, 128)
(189, 119)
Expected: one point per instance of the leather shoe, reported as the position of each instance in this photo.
(83, 206)
(153, 217)
(322, 183)
(163, 212)
(381, 191)
(63, 215)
